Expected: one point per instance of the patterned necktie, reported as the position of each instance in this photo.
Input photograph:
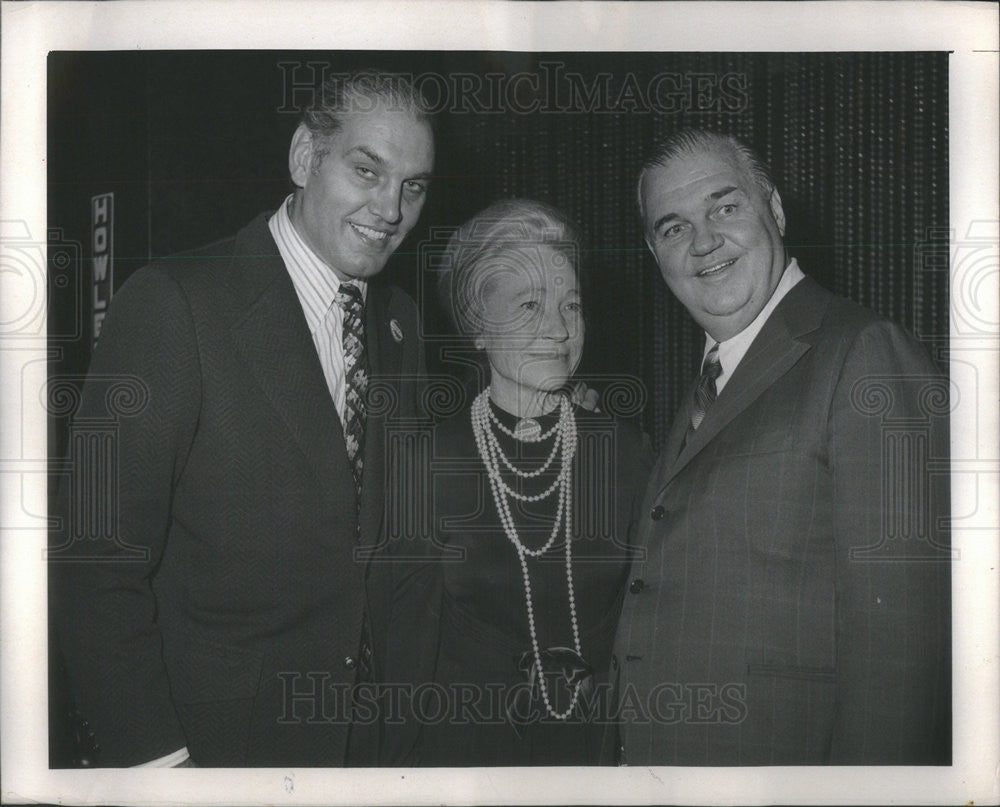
(356, 378)
(705, 392)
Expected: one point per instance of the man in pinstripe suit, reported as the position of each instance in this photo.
(791, 603)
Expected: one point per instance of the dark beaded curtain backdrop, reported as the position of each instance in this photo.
(194, 144)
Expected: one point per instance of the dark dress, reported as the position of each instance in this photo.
(473, 704)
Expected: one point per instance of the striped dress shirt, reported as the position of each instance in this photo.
(316, 285)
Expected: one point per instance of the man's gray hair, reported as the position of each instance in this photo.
(688, 142)
(367, 90)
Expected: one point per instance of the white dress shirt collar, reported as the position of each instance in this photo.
(732, 351)
(316, 284)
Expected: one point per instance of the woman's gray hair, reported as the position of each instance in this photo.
(498, 232)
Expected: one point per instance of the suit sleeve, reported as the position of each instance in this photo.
(104, 607)
(415, 613)
(420, 364)
(413, 590)
(888, 427)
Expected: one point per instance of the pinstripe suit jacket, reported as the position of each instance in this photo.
(792, 606)
(234, 485)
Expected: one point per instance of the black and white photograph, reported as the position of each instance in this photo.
(449, 415)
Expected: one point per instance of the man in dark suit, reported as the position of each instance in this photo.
(229, 618)
(792, 603)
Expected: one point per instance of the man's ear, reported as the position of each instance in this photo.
(778, 211)
(300, 155)
(649, 246)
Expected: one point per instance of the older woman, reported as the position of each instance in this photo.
(532, 498)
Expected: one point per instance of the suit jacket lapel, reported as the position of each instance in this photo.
(274, 340)
(384, 357)
(776, 349)
(679, 427)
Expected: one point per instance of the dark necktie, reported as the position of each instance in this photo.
(704, 393)
(355, 378)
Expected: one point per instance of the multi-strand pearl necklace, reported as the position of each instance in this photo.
(483, 419)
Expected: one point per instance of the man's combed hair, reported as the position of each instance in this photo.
(687, 142)
(368, 90)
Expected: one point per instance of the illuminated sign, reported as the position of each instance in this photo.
(102, 240)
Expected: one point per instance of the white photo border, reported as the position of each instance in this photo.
(969, 30)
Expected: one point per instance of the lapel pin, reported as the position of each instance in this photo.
(397, 332)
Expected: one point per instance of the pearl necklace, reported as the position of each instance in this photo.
(483, 418)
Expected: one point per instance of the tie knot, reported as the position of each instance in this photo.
(349, 297)
(711, 366)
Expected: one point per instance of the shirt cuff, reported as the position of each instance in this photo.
(169, 761)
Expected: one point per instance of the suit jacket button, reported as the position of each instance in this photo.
(614, 662)
(350, 662)
(637, 585)
(657, 512)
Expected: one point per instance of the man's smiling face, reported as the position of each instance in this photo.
(361, 190)
(715, 236)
